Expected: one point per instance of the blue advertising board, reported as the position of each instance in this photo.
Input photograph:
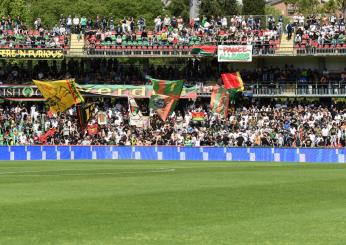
(172, 153)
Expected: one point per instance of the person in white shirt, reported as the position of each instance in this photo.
(158, 23)
(76, 24)
(224, 22)
(167, 21)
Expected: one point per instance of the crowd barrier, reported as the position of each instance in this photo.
(172, 153)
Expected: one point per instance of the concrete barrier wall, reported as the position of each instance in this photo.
(172, 153)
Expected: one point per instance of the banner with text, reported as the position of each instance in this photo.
(234, 53)
(32, 93)
(20, 92)
(143, 91)
(32, 54)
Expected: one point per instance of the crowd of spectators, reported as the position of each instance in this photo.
(263, 32)
(192, 71)
(318, 31)
(280, 124)
(177, 32)
(14, 33)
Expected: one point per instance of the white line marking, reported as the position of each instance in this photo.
(22, 173)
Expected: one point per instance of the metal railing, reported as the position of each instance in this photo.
(185, 51)
(298, 89)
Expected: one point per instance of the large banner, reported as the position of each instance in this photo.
(32, 93)
(144, 91)
(234, 53)
(32, 54)
(20, 92)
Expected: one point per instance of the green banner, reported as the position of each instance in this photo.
(32, 93)
(144, 91)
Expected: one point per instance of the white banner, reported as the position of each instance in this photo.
(102, 118)
(139, 121)
(234, 53)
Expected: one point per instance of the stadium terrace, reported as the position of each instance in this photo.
(172, 122)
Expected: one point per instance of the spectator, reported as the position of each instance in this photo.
(141, 24)
(158, 23)
(76, 24)
(68, 24)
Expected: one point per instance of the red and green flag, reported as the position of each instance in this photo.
(219, 102)
(233, 81)
(171, 88)
(163, 105)
(167, 94)
(204, 50)
(198, 116)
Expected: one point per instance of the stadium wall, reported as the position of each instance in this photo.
(8, 153)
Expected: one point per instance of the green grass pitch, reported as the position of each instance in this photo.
(166, 202)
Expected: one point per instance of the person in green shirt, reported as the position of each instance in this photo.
(83, 22)
(188, 141)
(341, 39)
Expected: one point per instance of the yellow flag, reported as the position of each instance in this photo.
(60, 95)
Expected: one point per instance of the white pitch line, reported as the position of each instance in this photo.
(6, 174)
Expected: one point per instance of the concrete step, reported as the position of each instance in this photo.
(77, 45)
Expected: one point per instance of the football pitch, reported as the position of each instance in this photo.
(167, 202)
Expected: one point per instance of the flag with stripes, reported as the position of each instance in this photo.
(166, 97)
(219, 102)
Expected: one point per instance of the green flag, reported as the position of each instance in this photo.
(171, 88)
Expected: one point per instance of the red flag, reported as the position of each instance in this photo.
(50, 132)
(50, 113)
(233, 81)
(92, 129)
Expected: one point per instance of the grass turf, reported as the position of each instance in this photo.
(139, 202)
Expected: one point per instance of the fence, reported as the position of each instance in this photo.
(298, 89)
(172, 153)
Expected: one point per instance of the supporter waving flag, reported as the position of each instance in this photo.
(136, 117)
(162, 104)
(167, 94)
(133, 107)
(60, 95)
(233, 83)
(84, 113)
(219, 102)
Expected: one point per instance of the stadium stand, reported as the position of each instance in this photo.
(15, 35)
(320, 35)
(281, 125)
(170, 33)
